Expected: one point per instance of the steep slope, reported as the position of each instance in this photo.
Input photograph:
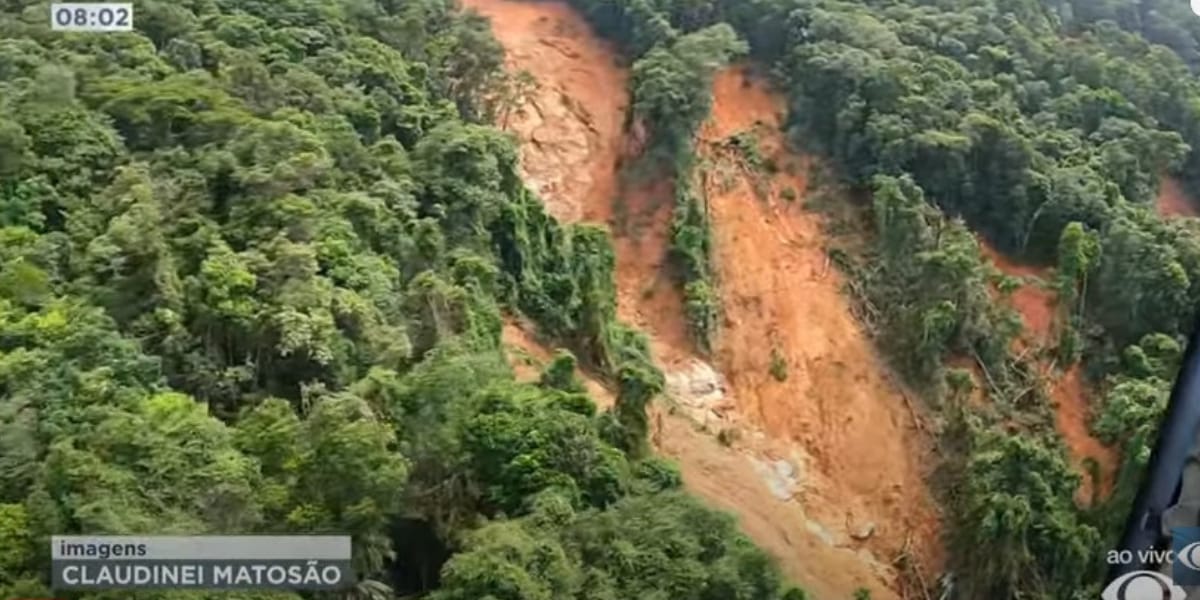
(784, 305)
(824, 468)
(572, 120)
(1033, 300)
(1073, 414)
(1071, 396)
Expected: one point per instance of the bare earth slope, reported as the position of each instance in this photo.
(782, 298)
(1069, 391)
(572, 123)
(824, 469)
(1071, 395)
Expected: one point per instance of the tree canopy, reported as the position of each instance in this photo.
(254, 264)
(1042, 126)
(255, 259)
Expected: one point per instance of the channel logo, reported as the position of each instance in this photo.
(1185, 546)
(1143, 585)
(1189, 556)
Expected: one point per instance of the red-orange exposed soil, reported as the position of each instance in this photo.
(827, 472)
(1071, 396)
(648, 296)
(1034, 300)
(572, 123)
(781, 297)
(1072, 418)
(727, 479)
(1173, 201)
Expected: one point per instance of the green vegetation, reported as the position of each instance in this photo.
(672, 90)
(779, 367)
(253, 265)
(1171, 24)
(254, 261)
(1044, 126)
(746, 144)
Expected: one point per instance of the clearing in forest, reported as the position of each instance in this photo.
(785, 313)
(1034, 300)
(572, 120)
(1071, 395)
(823, 467)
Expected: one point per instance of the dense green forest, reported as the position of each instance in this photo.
(1045, 127)
(256, 257)
(253, 268)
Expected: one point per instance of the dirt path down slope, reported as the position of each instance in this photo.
(823, 474)
(572, 122)
(784, 305)
(1071, 395)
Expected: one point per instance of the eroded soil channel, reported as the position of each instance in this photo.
(824, 468)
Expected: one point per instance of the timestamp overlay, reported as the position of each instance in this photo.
(91, 16)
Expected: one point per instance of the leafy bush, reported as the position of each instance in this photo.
(779, 368)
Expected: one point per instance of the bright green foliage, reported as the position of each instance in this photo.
(643, 548)
(254, 259)
(672, 85)
(1078, 250)
(931, 284)
(702, 309)
(253, 262)
(347, 477)
(202, 482)
(560, 373)
(505, 561)
(1043, 125)
(1131, 411)
(636, 386)
(1018, 501)
(1006, 124)
(15, 539)
(522, 441)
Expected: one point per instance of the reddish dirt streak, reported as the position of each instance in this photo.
(1037, 306)
(839, 418)
(572, 124)
(647, 294)
(1033, 300)
(723, 477)
(1173, 201)
(1072, 417)
(780, 292)
(1070, 393)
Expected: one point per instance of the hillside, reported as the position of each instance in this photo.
(599, 299)
(1174, 201)
(990, 264)
(788, 482)
(257, 260)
